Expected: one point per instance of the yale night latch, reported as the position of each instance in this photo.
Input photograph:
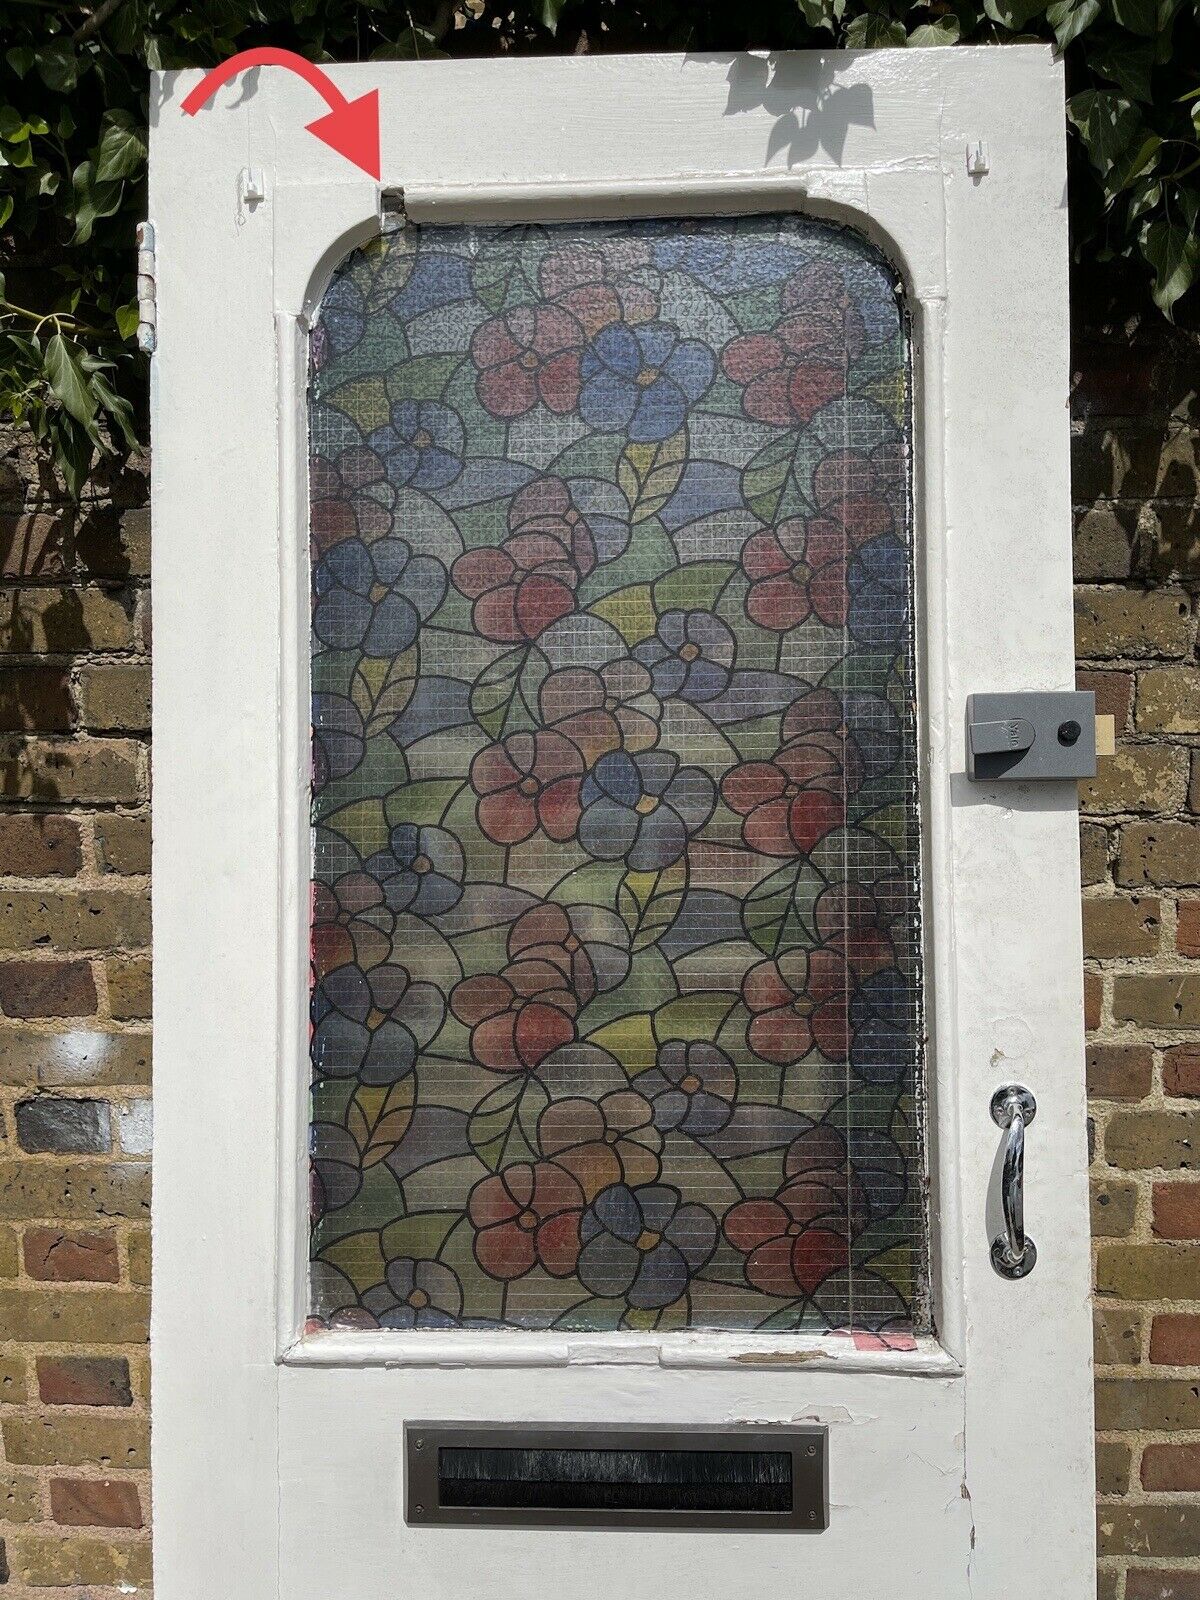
(1031, 735)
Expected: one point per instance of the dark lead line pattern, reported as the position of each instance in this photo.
(616, 952)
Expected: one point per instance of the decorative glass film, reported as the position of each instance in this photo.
(616, 1007)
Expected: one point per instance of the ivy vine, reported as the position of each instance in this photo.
(73, 106)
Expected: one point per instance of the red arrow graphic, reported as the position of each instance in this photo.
(351, 127)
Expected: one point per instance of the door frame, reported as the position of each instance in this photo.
(885, 141)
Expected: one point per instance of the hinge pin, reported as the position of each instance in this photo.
(147, 308)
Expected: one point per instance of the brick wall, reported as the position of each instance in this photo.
(1137, 567)
(74, 993)
(74, 1033)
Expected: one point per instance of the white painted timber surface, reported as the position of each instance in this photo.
(959, 1472)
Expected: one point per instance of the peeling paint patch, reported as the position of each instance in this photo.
(778, 1358)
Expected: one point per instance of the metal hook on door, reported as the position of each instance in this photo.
(1013, 1254)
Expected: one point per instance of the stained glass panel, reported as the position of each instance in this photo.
(616, 966)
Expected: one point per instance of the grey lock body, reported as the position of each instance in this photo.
(1016, 737)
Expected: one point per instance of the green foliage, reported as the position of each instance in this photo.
(73, 107)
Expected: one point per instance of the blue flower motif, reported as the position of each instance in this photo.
(643, 1244)
(690, 655)
(880, 1019)
(728, 261)
(701, 253)
(339, 738)
(418, 1293)
(343, 314)
(643, 379)
(359, 605)
(877, 578)
(350, 1036)
(421, 870)
(422, 445)
(643, 807)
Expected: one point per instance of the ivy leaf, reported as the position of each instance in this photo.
(874, 30)
(550, 11)
(122, 152)
(58, 66)
(946, 30)
(72, 450)
(117, 407)
(414, 44)
(1015, 15)
(1069, 19)
(93, 200)
(1128, 66)
(1146, 196)
(68, 382)
(1106, 123)
(6, 208)
(1139, 16)
(1136, 164)
(1172, 248)
(14, 129)
(126, 318)
(818, 13)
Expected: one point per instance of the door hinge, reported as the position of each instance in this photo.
(147, 288)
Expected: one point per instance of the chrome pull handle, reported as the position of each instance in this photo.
(1013, 1254)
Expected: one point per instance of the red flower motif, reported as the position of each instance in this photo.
(820, 292)
(822, 718)
(609, 709)
(526, 782)
(529, 1010)
(524, 1215)
(803, 998)
(529, 354)
(340, 510)
(792, 801)
(515, 1025)
(798, 569)
(524, 585)
(787, 375)
(793, 1242)
(351, 923)
(601, 286)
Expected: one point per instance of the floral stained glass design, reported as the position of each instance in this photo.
(616, 971)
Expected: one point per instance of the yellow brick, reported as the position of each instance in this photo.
(68, 1316)
(74, 1190)
(36, 620)
(13, 1388)
(74, 1440)
(8, 1252)
(45, 1561)
(96, 919)
(20, 1498)
(139, 1256)
(1168, 700)
(129, 991)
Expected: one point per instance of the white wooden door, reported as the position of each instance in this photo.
(596, 528)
